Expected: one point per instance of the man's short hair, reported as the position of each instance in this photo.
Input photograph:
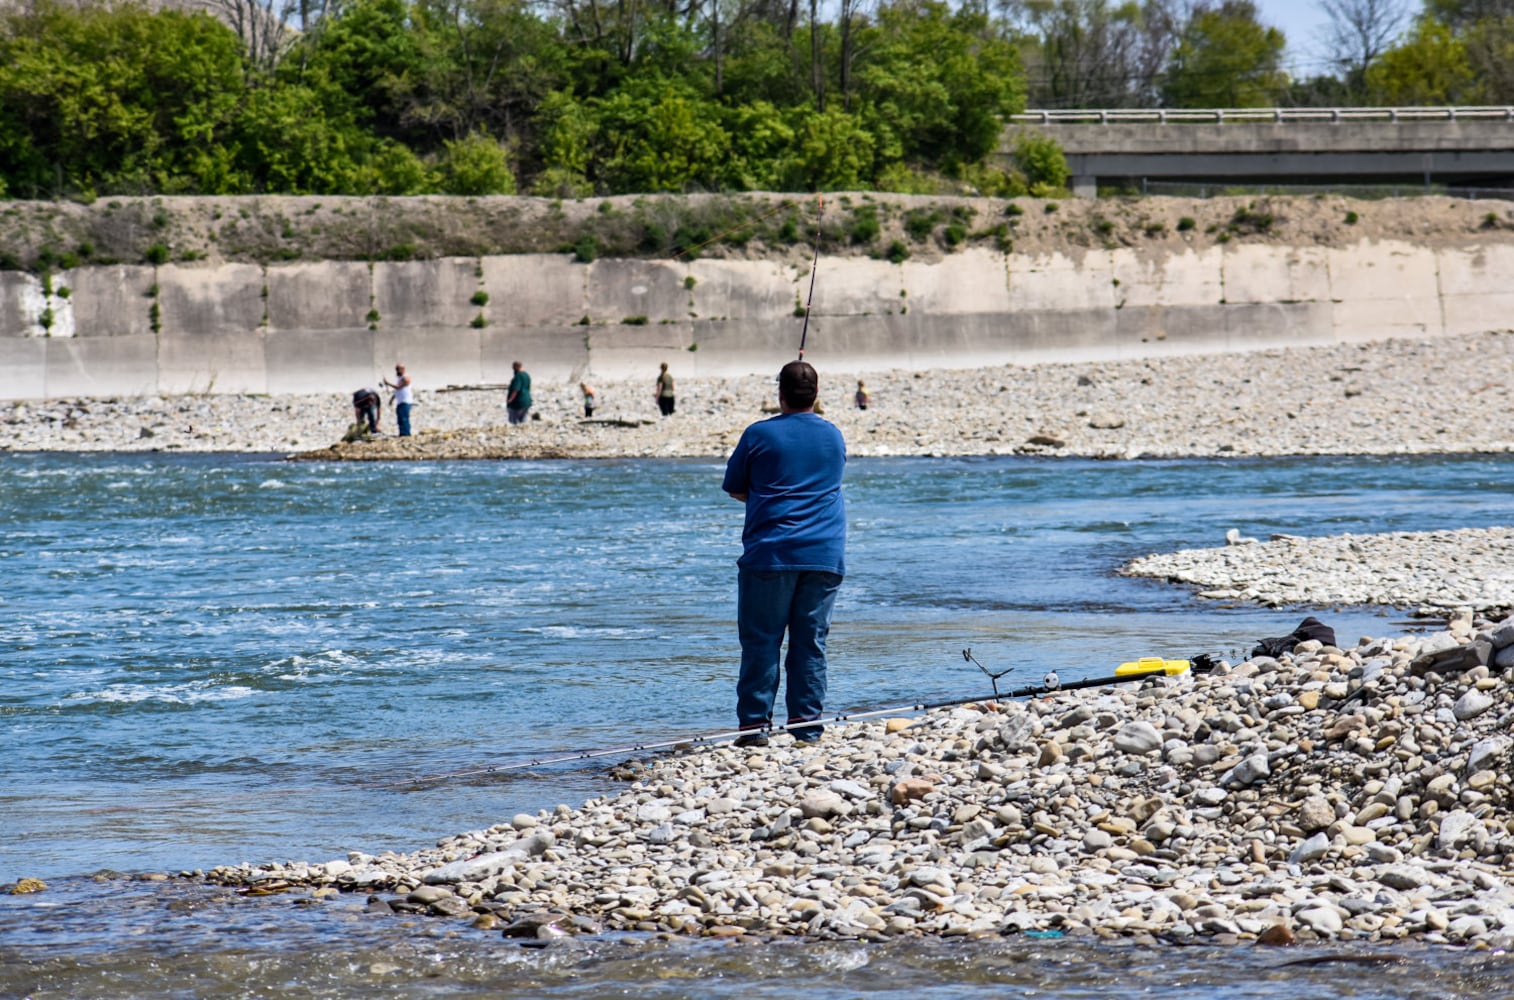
(798, 385)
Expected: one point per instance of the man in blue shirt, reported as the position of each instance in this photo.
(787, 470)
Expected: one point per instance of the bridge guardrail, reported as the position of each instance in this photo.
(1174, 116)
(1366, 192)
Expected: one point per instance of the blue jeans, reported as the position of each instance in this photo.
(768, 604)
(402, 415)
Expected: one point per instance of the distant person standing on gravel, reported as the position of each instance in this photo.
(665, 397)
(404, 398)
(862, 397)
(588, 391)
(518, 400)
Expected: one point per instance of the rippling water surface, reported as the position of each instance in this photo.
(211, 659)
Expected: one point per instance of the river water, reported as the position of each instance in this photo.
(215, 659)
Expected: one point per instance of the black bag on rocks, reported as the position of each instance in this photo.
(1309, 628)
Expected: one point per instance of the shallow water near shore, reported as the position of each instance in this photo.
(211, 659)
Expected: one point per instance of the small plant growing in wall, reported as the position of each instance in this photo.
(46, 320)
(480, 298)
(157, 254)
(479, 322)
(1186, 223)
(372, 319)
(689, 283)
(1351, 218)
(635, 321)
(155, 317)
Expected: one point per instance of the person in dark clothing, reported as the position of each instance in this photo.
(518, 396)
(666, 399)
(366, 408)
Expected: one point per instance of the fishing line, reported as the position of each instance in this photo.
(1142, 669)
(814, 266)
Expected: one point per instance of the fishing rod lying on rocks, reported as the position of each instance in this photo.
(1145, 668)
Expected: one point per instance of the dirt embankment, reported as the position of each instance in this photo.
(45, 236)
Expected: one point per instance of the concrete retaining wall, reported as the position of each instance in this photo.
(330, 327)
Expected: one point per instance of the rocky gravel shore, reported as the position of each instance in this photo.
(1442, 395)
(1433, 572)
(1357, 793)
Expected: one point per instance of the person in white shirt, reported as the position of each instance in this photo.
(404, 398)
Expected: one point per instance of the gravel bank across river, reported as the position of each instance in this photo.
(1445, 395)
(1345, 794)
(1438, 571)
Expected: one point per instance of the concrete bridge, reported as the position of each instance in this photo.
(1469, 146)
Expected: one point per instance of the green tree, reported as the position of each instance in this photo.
(1490, 51)
(285, 142)
(116, 99)
(763, 154)
(1041, 160)
(1458, 15)
(833, 152)
(369, 62)
(485, 65)
(1226, 58)
(566, 130)
(1096, 53)
(476, 165)
(658, 138)
(936, 85)
(1429, 67)
(760, 65)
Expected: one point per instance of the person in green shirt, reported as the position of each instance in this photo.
(518, 402)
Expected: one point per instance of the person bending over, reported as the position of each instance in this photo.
(366, 409)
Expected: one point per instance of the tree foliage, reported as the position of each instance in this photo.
(579, 97)
(1094, 53)
(1430, 67)
(468, 96)
(1226, 58)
